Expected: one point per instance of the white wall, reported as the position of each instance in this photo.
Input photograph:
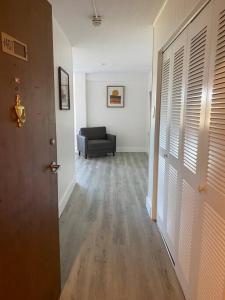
(171, 16)
(80, 101)
(128, 123)
(64, 119)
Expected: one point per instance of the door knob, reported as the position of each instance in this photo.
(53, 167)
(201, 188)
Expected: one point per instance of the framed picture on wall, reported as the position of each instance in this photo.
(64, 89)
(115, 96)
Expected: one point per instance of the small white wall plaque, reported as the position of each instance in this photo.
(13, 47)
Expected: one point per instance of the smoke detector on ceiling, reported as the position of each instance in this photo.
(96, 21)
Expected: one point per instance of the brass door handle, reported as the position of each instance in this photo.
(53, 167)
(201, 188)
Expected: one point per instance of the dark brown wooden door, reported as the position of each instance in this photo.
(29, 242)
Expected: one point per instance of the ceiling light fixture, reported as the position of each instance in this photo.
(96, 19)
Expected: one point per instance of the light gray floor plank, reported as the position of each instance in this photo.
(110, 249)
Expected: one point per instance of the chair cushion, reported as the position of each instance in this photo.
(100, 145)
(94, 133)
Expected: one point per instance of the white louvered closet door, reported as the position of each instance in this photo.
(164, 141)
(192, 147)
(211, 275)
(174, 158)
(191, 174)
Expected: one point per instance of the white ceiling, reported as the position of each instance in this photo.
(122, 43)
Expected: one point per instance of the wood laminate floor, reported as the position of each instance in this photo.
(110, 249)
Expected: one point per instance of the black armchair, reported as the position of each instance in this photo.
(94, 141)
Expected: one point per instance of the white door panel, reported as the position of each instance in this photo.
(175, 142)
(199, 32)
(164, 141)
(211, 275)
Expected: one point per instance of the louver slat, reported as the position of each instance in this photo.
(176, 104)
(164, 104)
(212, 263)
(193, 102)
(216, 176)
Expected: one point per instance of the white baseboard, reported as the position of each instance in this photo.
(65, 198)
(128, 149)
(131, 149)
(148, 205)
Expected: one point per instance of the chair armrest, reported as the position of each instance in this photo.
(82, 143)
(112, 138)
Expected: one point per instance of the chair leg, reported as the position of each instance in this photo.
(113, 153)
(85, 156)
(79, 153)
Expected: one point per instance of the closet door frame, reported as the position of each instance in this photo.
(156, 125)
(208, 246)
(196, 236)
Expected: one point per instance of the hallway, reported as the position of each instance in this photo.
(107, 239)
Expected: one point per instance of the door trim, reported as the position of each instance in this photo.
(195, 12)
